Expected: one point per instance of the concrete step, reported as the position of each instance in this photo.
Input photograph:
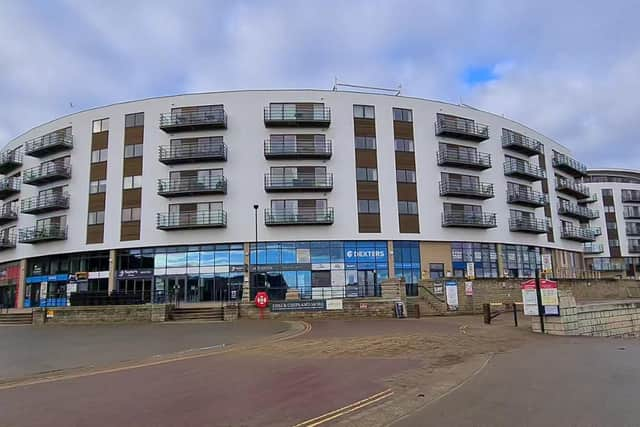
(16, 319)
(199, 313)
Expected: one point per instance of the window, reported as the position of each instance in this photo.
(609, 209)
(404, 145)
(607, 192)
(100, 125)
(133, 150)
(129, 182)
(366, 142)
(368, 206)
(405, 175)
(407, 207)
(99, 186)
(363, 112)
(98, 156)
(436, 270)
(134, 120)
(612, 226)
(95, 218)
(402, 115)
(130, 214)
(366, 174)
(614, 242)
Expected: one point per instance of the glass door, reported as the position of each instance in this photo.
(368, 283)
(176, 289)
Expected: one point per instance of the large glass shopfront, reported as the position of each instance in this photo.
(319, 270)
(518, 261)
(9, 276)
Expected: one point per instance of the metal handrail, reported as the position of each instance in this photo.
(13, 156)
(510, 137)
(299, 181)
(46, 169)
(560, 159)
(449, 123)
(36, 233)
(189, 150)
(174, 185)
(572, 185)
(633, 246)
(440, 299)
(302, 216)
(526, 195)
(55, 138)
(540, 224)
(633, 196)
(580, 232)
(7, 212)
(39, 202)
(572, 208)
(474, 158)
(479, 188)
(593, 248)
(297, 147)
(297, 114)
(188, 118)
(10, 183)
(523, 167)
(178, 219)
(484, 218)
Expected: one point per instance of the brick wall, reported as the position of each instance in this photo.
(95, 314)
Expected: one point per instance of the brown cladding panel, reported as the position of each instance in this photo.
(366, 158)
(369, 223)
(100, 140)
(98, 171)
(405, 160)
(95, 233)
(130, 230)
(367, 190)
(407, 191)
(403, 130)
(547, 210)
(132, 198)
(97, 202)
(364, 127)
(545, 186)
(133, 135)
(132, 166)
(409, 224)
(614, 251)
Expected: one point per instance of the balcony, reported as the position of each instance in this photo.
(301, 182)
(459, 219)
(593, 248)
(187, 220)
(192, 152)
(9, 186)
(47, 172)
(523, 170)
(479, 190)
(578, 234)
(193, 120)
(632, 231)
(191, 186)
(631, 196)
(297, 149)
(297, 117)
(569, 165)
(631, 213)
(615, 266)
(572, 188)
(39, 234)
(633, 247)
(530, 198)
(461, 159)
(42, 204)
(10, 161)
(49, 144)
(520, 143)
(591, 199)
(301, 217)
(528, 225)
(574, 211)
(7, 241)
(461, 128)
(597, 231)
(7, 214)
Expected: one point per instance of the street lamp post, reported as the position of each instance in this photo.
(255, 276)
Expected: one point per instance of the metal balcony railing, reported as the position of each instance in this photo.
(576, 211)
(597, 231)
(10, 161)
(634, 246)
(298, 116)
(192, 185)
(7, 240)
(527, 198)
(48, 144)
(521, 143)
(297, 149)
(182, 220)
(569, 165)
(523, 169)
(303, 216)
(631, 213)
(189, 152)
(616, 266)
(631, 229)
(38, 234)
(591, 199)
(631, 196)
(47, 203)
(528, 225)
(46, 172)
(593, 248)
(578, 234)
(478, 190)
(477, 220)
(464, 159)
(572, 188)
(9, 186)
(8, 213)
(194, 120)
(459, 127)
(301, 182)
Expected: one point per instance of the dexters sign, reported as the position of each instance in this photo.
(359, 256)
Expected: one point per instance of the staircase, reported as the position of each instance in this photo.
(16, 318)
(206, 314)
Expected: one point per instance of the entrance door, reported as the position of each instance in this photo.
(368, 283)
(176, 289)
(193, 293)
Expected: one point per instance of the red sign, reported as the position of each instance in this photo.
(544, 284)
(261, 300)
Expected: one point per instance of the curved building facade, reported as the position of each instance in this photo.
(157, 197)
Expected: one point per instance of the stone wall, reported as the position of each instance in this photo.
(101, 314)
(602, 319)
(351, 308)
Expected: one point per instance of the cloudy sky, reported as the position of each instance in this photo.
(570, 69)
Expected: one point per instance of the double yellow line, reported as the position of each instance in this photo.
(346, 409)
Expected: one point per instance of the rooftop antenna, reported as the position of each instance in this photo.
(354, 88)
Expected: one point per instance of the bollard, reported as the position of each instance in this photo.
(486, 308)
(515, 314)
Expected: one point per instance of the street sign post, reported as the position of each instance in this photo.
(261, 301)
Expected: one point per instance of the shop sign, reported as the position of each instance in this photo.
(334, 304)
(321, 266)
(130, 274)
(95, 275)
(352, 256)
(451, 289)
(50, 314)
(311, 305)
(468, 289)
(264, 268)
(471, 270)
(438, 289)
(237, 268)
(50, 278)
(548, 293)
(547, 266)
